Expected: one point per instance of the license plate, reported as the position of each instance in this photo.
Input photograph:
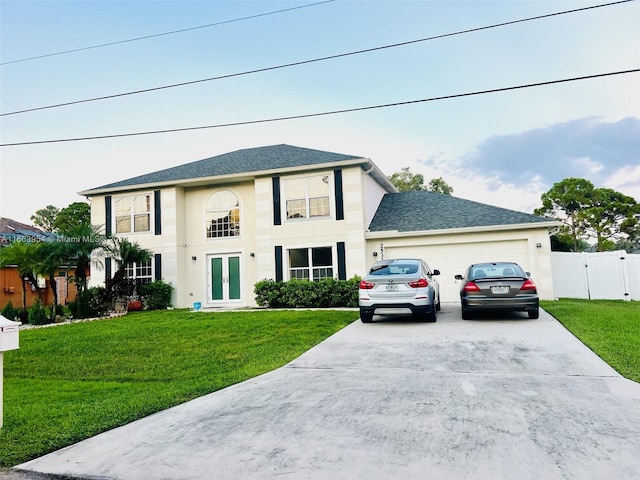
(500, 289)
(392, 288)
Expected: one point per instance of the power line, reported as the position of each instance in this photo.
(334, 112)
(165, 33)
(320, 59)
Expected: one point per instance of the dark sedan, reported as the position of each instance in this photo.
(497, 286)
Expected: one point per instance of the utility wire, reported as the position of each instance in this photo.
(334, 112)
(165, 33)
(330, 57)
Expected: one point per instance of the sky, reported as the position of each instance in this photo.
(502, 148)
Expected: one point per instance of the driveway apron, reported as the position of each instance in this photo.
(505, 398)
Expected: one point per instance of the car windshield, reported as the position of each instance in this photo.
(496, 270)
(394, 269)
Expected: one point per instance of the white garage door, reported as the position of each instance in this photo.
(455, 258)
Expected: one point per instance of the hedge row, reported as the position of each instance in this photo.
(328, 292)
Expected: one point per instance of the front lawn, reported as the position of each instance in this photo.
(70, 382)
(611, 328)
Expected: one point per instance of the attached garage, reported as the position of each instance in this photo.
(477, 233)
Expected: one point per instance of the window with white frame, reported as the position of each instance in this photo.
(307, 197)
(310, 263)
(222, 216)
(141, 272)
(133, 213)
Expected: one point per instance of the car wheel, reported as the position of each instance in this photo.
(366, 316)
(466, 315)
(534, 312)
(431, 316)
(438, 305)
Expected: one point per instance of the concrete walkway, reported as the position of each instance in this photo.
(508, 398)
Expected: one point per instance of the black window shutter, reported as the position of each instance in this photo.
(276, 201)
(278, 263)
(157, 212)
(157, 266)
(107, 213)
(107, 269)
(342, 263)
(337, 179)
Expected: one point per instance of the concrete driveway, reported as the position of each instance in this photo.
(506, 398)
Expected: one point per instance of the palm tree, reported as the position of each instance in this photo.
(127, 253)
(47, 258)
(21, 255)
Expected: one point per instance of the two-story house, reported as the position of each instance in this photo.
(217, 226)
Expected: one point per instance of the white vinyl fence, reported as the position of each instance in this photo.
(597, 276)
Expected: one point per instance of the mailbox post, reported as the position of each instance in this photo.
(8, 341)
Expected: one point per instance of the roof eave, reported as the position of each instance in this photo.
(450, 231)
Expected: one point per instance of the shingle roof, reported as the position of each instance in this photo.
(423, 210)
(257, 159)
(11, 231)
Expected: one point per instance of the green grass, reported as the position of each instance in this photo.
(611, 328)
(70, 382)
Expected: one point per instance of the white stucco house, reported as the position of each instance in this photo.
(217, 226)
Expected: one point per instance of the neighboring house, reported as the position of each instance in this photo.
(217, 226)
(10, 281)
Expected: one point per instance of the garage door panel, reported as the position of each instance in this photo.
(453, 259)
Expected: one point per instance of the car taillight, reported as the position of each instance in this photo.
(471, 287)
(366, 285)
(419, 283)
(528, 285)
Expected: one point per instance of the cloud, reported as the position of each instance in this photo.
(514, 170)
(605, 153)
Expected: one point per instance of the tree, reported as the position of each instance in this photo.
(440, 186)
(609, 216)
(21, 255)
(564, 201)
(71, 218)
(405, 181)
(603, 213)
(79, 238)
(127, 254)
(45, 218)
(47, 258)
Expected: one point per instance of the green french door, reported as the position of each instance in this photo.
(224, 277)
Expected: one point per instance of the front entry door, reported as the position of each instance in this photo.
(224, 278)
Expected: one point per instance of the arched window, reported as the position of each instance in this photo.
(222, 216)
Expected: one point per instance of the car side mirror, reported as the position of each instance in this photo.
(458, 277)
(436, 272)
(528, 274)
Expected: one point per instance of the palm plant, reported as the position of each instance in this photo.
(127, 253)
(47, 258)
(21, 255)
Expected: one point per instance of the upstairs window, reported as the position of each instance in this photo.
(222, 217)
(307, 197)
(310, 263)
(133, 213)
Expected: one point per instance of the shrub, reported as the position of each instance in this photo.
(268, 293)
(38, 314)
(328, 292)
(9, 312)
(89, 303)
(156, 295)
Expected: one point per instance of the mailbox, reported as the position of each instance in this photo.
(8, 334)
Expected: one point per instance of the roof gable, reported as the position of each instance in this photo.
(423, 210)
(248, 160)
